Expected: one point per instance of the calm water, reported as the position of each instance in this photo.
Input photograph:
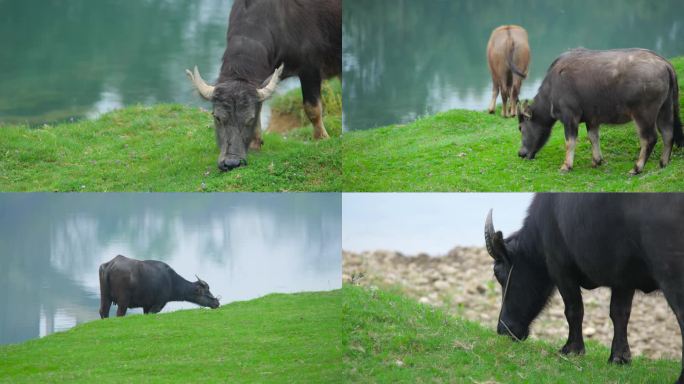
(62, 60)
(407, 58)
(244, 245)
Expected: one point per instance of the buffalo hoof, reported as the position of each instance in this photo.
(573, 349)
(635, 171)
(491, 111)
(596, 163)
(565, 168)
(622, 358)
(663, 164)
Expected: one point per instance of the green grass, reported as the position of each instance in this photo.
(277, 338)
(165, 148)
(392, 339)
(472, 151)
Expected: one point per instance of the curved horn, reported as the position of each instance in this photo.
(267, 91)
(205, 90)
(200, 280)
(494, 240)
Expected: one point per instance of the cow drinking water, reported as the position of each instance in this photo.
(605, 87)
(623, 241)
(269, 40)
(147, 284)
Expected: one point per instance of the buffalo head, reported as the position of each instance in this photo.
(525, 289)
(202, 296)
(236, 110)
(534, 133)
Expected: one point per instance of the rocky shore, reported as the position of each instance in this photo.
(463, 283)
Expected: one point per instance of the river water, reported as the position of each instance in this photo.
(404, 59)
(244, 245)
(66, 60)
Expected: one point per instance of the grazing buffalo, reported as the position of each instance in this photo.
(605, 87)
(623, 241)
(508, 55)
(269, 40)
(149, 284)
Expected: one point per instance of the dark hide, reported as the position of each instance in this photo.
(149, 285)
(508, 57)
(605, 87)
(623, 241)
(303, 35)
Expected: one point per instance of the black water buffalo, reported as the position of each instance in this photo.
(149, 284)
(508, 57)
(605, 87)
(623, 241)
(269, 40)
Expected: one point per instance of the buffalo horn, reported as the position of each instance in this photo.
(494, 240)
(200, 280)
(267, 91)
(205, 90)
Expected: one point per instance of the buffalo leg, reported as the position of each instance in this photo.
(574, 313)
(620, 309)
(593, 133)
(570, 144)
(105, 305)
(504, 101)
(121, 308)
(666, 126)
(515, 92)
(256, 142)
(675, 298)
(647, 139)
(495, 95)
(311, 91)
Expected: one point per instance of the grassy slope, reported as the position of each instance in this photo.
(163, 148)
(473, 151)
(278, 338)
(390, 338)
(331, 92)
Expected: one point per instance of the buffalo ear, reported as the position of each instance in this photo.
(527, 111)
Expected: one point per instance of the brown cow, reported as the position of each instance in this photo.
(508, 55)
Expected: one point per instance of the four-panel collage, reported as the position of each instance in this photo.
(341, 191)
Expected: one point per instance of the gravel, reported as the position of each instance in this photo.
(462, 282)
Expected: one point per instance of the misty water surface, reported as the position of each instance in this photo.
(64, 60)
(244, 245)
(403, 59)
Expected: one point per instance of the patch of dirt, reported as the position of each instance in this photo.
(463, 283)
(283, 122)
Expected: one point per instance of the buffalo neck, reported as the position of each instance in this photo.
(541, 110)
(183, 290)
(528, 247)
(247, 56)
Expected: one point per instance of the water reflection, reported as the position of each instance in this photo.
(403, 59)
(64, 60)
(243, 245)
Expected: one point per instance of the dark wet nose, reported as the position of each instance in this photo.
(522, 153)
(215, 304)
(230, 164)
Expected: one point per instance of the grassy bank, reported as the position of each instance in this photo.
(390, 338)
(290, 104)
(163, 148)
(277, 338)
(472, 151)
